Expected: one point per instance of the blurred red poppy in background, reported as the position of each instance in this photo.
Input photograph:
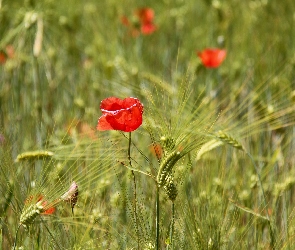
(80, 128)
(8, 52)
(2, 57)
(156, 150)
(145, 15)
(143, 22)
(125, 20)
(147, 28)
(118, 114)
(212, 58)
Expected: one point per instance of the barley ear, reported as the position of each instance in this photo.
(34, 155)
(170, 188)
(168, 142)
(166, 167)
(224, 137)
(30, 213)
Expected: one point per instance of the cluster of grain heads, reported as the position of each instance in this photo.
(30, 213)
(168, 143)
(280, 188)
(41, 206)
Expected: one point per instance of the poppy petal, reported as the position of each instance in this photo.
(50, 210)
(148, 28)
(146, 15)
(124, 115)
(212, 58)
(111, 104)
(103, 124)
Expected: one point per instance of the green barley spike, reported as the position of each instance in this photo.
(30, 213)
(229, 140)
(168, 142)
(34, 155)
(166, 167)
(170, 188)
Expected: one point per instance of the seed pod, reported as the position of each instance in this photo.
(71, 195)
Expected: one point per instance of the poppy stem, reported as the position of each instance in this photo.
(129, 149)
(134, 193)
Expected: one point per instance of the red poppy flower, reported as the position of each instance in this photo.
(2, 58)
(124, 115)
(212, 58)
(142, 22)
(148, 28)
(156, 150)
(145, 15)
(7, 53)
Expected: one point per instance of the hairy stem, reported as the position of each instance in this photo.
(172, 225)
(157, 217)
(134, 193)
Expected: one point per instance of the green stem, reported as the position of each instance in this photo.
(172, 225)
(272, 236)
(52, 236)
(134, 193)
(16, 233)
(157, 217)
(37, 100)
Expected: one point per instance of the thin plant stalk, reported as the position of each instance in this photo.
(53, 239)
(172, 225)
(15, 240)
(234, 143)
(171, 228)
(134, 193)
(157, 217)
(272, 236)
